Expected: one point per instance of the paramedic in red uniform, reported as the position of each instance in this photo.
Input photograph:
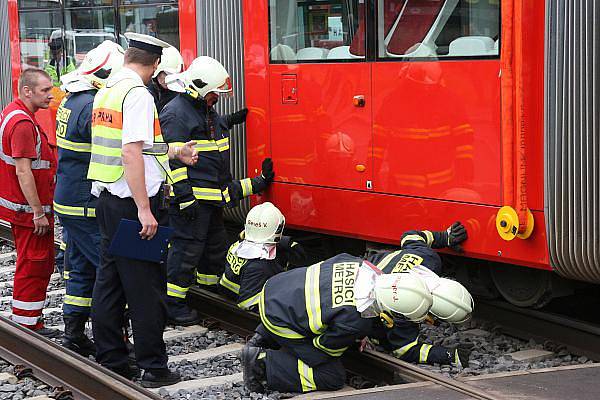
(27, 167)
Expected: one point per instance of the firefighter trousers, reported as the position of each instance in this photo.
(82, 260)
(120, 281)
(35, 264)
(198, 247)
(297, 366)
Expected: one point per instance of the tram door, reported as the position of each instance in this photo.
(320, 93)
(436, 91)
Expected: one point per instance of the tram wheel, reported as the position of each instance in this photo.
(523, 287)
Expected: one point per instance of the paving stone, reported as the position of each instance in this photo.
(476, 332)
(5, 377)
(532, 355)
(196, 384)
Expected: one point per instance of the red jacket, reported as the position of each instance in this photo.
(13, 205)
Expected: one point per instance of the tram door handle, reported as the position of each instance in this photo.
(358, 100)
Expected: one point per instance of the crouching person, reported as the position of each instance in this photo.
(254, 258)
(310, 316)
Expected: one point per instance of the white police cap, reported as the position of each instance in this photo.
(146, 42)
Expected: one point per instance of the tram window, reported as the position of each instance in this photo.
(438, 28)
(87, 3)
(36, 30)
(87, 28)
(160, 21)
(316, 30)
(39, 3)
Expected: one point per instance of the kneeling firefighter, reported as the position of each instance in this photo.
(202, 190)
(73, 202)
(417, 252)
(262, 253)
(310, 316)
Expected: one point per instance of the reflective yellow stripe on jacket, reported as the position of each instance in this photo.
(73, 146)
(277, 330)
(313, 299)
(74, 211)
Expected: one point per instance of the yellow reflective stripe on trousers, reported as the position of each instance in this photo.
(386, 260)
(313, 299)
(412, 237)
(226, 197)
(234, 287)
(176, 291)
(404, 349)
(252, 301)
(246, 187)
(331, 352)
(73, 146)
(179, 174)
(62, 246)
(207, 193)
(205, 279)
(429, 238)
(74, 211)
(223, 144)
(277, 330)
(66, 275)
(424, 353)
(78, 301)
(307, 380)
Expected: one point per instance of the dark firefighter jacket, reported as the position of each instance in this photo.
(209, 180)
(72, 197)
(161, 96)
(245, 278)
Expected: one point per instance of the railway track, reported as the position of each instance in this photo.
(217, 313)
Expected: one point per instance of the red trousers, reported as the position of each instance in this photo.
(35, 264)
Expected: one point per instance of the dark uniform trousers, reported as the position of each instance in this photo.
(120, 281)
(197, 247)
(82, 259)
(293, 365)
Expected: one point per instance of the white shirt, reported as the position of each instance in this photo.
(138, 126)
(251, 250)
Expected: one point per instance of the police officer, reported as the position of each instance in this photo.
(314, 314)
(262, 253)
(128, 165)
(198, 244)
(56, 67)
(73, 201)
(416, 251)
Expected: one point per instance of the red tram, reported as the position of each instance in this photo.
(386, 115)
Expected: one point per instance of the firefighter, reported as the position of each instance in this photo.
(73, 202)
(256, 257)
(315, 313)
(171, 62)
(27, 168)
(200, 191)
(416, 251)
(129, 167)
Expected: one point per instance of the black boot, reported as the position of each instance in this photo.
(155, 378)
(75, 338)
(180, 314)
(254, 369)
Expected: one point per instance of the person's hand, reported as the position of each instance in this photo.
(149, 224)
(41, 226)
(187, 154)
(457, 233)
(190, 212)
(238, 117)
(267, 170)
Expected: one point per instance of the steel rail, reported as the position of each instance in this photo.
(376, 366)
(58, 366)
(577, 336)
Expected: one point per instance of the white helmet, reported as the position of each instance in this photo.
(101, 62)
(404, 293)
(204, 75)
(264, 224)
(171, 62)
(452, 302)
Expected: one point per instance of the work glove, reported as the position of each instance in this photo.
(459, 357)
(267, 170)
(238, 117)
(190, 211)
(457, 233)
(292, 251)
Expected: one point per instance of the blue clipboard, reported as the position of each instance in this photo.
(128, 243)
